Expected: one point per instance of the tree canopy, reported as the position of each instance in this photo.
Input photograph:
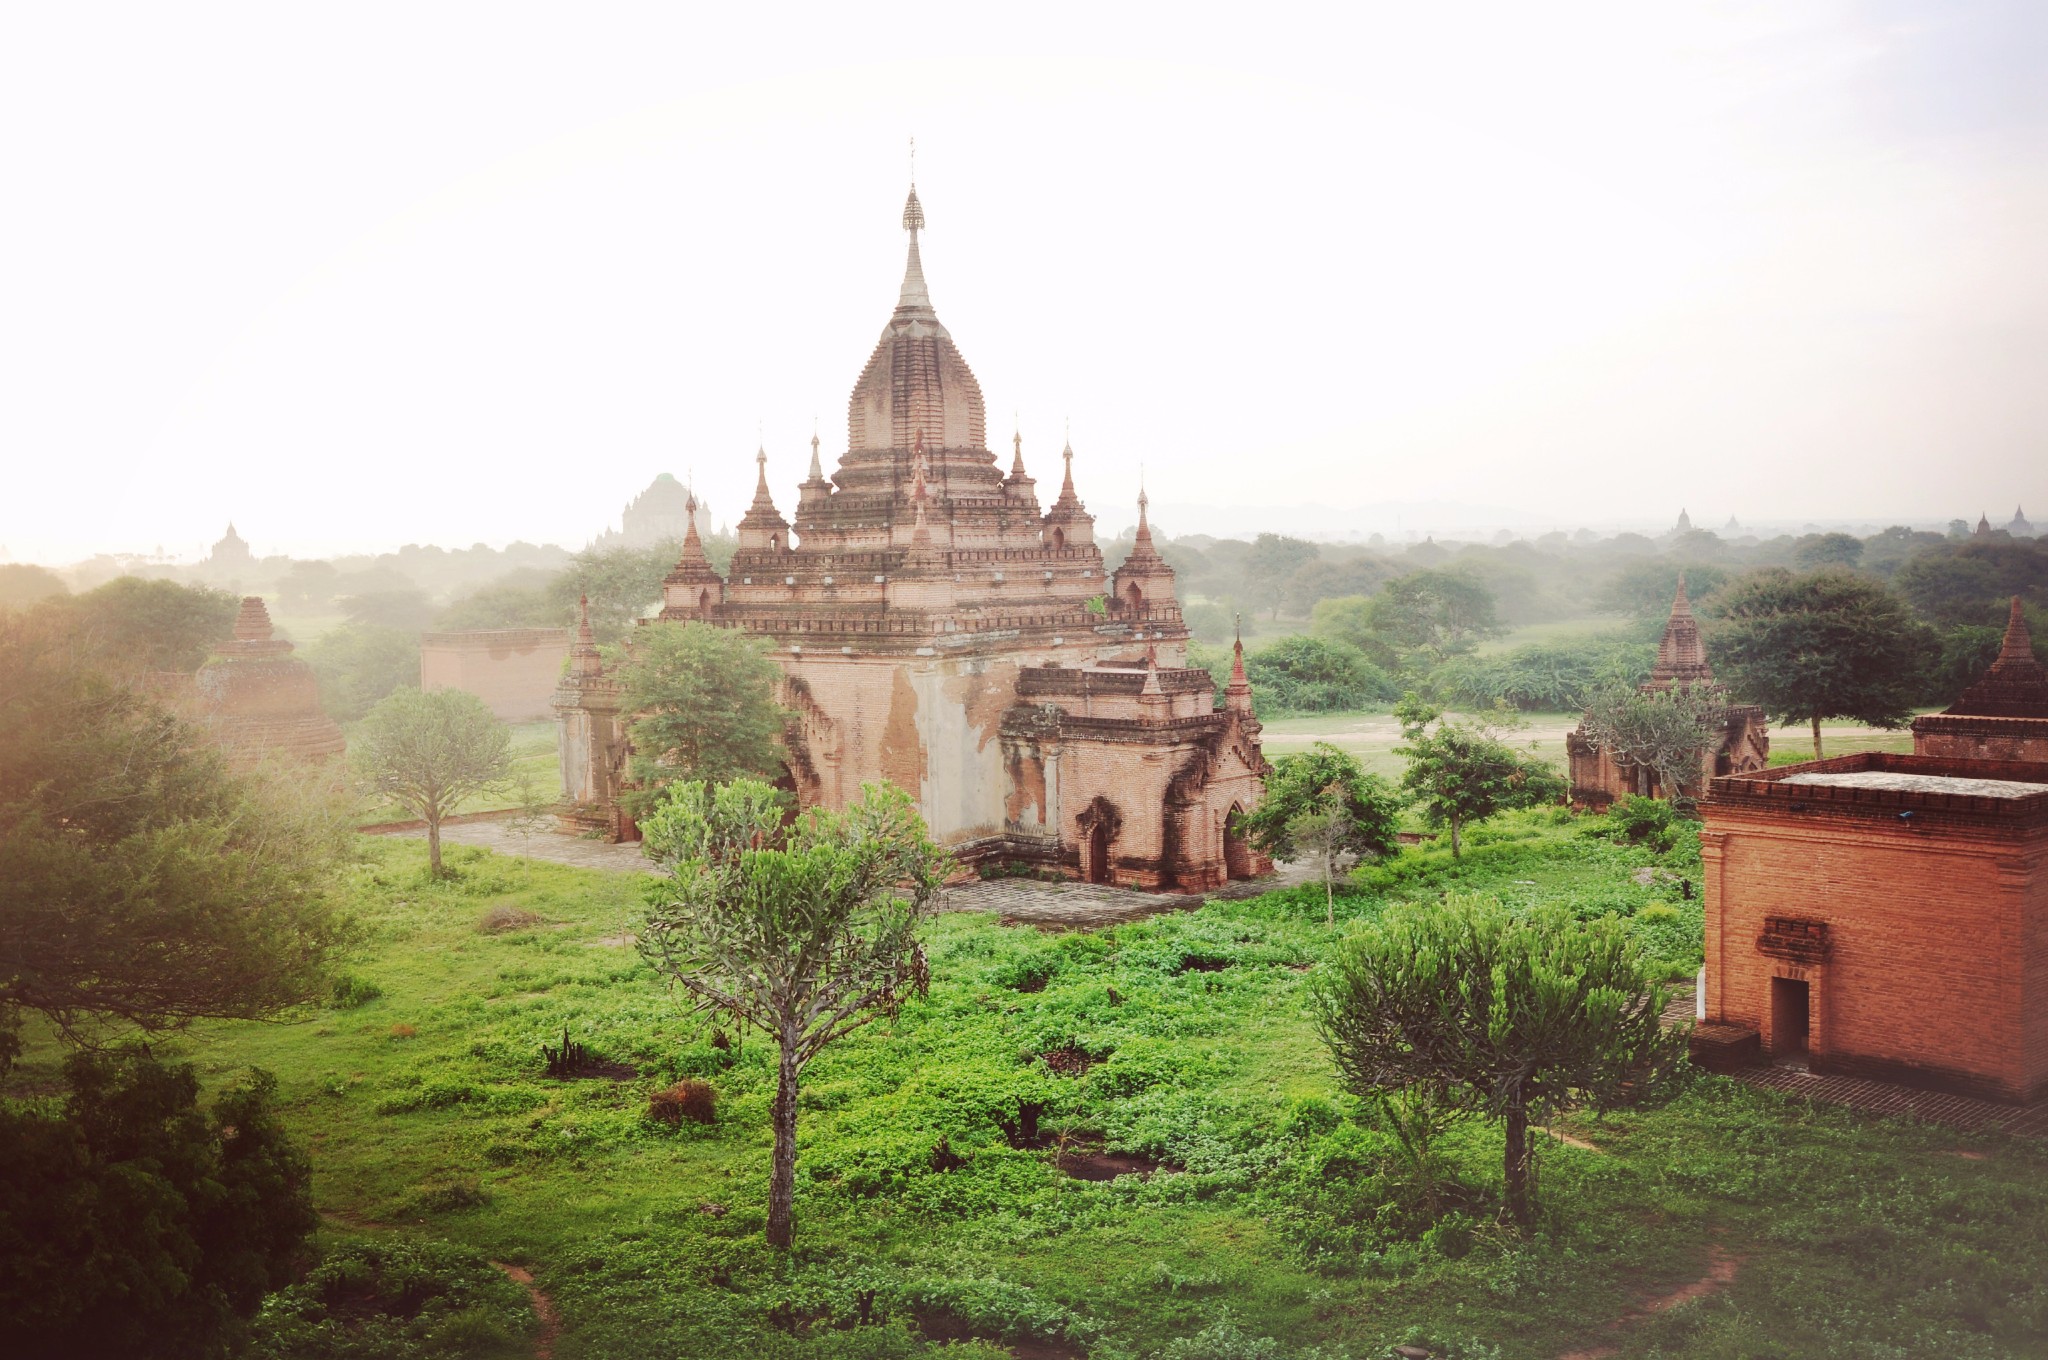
(705, 700)
(1321, 800)
(1828, 644)
(429, 752)
(1658, 737)
(803, 930)
(1463, 1006)
(141, 883)
(1460, 772)
(136, 625)
(138, 1224)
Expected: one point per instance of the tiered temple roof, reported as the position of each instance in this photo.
(1681, 656)
(2016, 686)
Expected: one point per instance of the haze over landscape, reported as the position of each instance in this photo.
(397, 276)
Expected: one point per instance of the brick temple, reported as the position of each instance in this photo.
(1883, 916)
(258, 701)
(938, 628)
(1738, 740)
(2004, 716)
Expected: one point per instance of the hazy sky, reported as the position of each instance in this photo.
(361, 275)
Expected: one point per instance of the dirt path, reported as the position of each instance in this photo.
(543, 1308)
(1721, 1268)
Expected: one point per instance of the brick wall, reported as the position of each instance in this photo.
(513, 670)
(1935, 965)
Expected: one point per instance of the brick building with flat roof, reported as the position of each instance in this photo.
(938, 629)
(1882, 915)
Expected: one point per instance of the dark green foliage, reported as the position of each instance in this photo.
(1830, 644)
(136, 625)
(351, 991)
(705, 697)
(1416, 622)
(1322, 802)
(358, 665)
(1971, 582)
(1648, 820)
(1545, 676)
(1460, 772)
(138, 1224)
(395, 1299)
(140, 881)
(1465, 1006)
(1302, 674)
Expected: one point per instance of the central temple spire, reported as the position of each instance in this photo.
(914, 296)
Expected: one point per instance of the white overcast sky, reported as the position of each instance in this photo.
(361, 275)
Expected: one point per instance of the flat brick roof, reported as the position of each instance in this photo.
(1886, 784)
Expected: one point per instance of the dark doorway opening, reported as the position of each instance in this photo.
(1791, 1017)
(1098, 853)
(1237, 851)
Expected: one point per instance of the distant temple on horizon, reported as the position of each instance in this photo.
(939, 630)
(660, 514)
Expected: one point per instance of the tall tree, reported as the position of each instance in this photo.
(358, 664)
(1829, 644)
(1463, 1005)
(1461, 772)
(141, 883)
(1322, 801)
(1828, 550)
(804, 931)
(705, 697)
(1427, 617)
(429, 752)
(1655, 735)
(22, 585)
(1272, 561)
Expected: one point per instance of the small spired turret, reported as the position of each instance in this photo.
(1681, 656)
(591, 740)
(763, 529)
(261, 702)
(1068, 524)
(693, 589)
(1143, 585)
(2004, 716)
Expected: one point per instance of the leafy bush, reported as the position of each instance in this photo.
(1548, 676)
(139, 1224)
(393, 1299)
(351, 991)
(1304, 674)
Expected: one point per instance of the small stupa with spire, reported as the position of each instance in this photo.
(2004, 715)
(1736, 738)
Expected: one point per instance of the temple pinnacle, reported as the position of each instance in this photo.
(2017, 645)
(817, 472)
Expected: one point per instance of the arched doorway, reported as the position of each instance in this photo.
(1237, 851)
(1134, 598)
(1098, 853)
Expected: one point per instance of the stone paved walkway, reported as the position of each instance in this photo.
(1965, 1114)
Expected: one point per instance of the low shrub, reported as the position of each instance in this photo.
(351, 991)
(503, 917)
(691, 1099)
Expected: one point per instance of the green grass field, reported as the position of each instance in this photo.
(1279, 1223)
